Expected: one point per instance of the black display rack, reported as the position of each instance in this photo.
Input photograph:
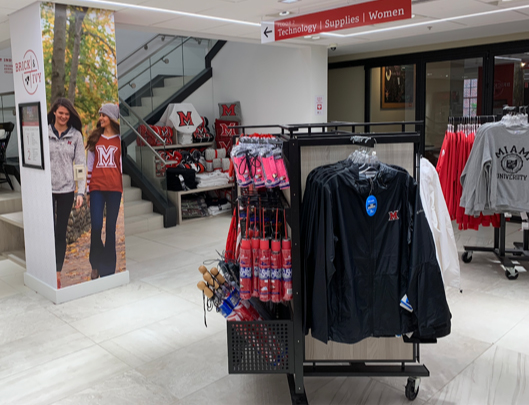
(243, 343)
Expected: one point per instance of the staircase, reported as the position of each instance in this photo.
(139, 215)
(158, 82)
(170, 87)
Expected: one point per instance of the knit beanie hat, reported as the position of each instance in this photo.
(111, 111)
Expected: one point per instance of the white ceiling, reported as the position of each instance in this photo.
(427, 12)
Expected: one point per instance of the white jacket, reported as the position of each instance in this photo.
(436, 212)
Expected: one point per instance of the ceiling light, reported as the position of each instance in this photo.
(307, 36)
(428, 23)
(175, 12)
(413, 16)
(288, 1)
(316, 37)
(508, 58)
(284, 13)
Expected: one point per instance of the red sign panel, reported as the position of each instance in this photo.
(356, 15)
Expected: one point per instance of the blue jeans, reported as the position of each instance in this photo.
(103, 257)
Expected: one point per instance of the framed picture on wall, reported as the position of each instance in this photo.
(31, 135)
(397, 86)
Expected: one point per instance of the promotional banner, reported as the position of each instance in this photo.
(85, 144)
(356, 15)
(30, 99)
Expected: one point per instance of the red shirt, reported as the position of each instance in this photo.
(104, 165)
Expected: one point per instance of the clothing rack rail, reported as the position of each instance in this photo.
(480, 119)
(296, 137)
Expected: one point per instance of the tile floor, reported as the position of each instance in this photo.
(145, 343)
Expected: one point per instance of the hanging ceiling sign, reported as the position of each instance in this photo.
(356, 15)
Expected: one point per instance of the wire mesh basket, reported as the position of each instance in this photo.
(260, 347)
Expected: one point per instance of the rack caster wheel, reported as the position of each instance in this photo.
(466, 257)
(412, 388)
(511, 273)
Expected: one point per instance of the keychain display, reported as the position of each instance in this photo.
(258, 161)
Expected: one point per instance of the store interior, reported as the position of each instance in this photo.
(396, 91)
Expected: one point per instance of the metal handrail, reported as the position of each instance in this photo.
(147, 44)
(121, 101)
(143, 139)
(158, 60)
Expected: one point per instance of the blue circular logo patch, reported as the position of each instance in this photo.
(371, 205)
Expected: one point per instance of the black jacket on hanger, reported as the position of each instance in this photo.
(358, 267)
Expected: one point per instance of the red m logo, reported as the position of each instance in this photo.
(393, 215)
(228, 110)
(185, 119)
(227, 130)
(106, 156)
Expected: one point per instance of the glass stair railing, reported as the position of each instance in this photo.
(155, 80)
(149, 161)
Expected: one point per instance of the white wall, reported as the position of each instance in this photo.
(36, 184)
(275, 84)
(346, 94)
(202, 100)
(128, 41)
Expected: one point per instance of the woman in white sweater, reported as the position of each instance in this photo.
(66, 149)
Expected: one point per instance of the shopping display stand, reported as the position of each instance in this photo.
(508, 258)
(247, 340)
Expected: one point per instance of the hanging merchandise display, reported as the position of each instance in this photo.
(225, 297)
(439, 220)
(455, 151)
(258, 161)
(495, 180)
(361, 262)
(259, 251)
(371, 221)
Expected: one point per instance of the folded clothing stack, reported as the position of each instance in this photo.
(212, 179)
(194, 207)
(219, 209)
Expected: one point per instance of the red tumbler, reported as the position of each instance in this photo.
(264, 271)
(287, 270)
(246, 270)
(275, 271)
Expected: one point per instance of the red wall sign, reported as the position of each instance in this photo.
(356, 15)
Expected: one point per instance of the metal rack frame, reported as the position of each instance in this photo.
(329, 134)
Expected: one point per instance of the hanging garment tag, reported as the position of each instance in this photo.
(371, 205)
(405, 303)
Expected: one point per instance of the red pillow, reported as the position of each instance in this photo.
(166, 133)
(224, 134)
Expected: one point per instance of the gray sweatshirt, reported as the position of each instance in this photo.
(64, 153)
(496, 176)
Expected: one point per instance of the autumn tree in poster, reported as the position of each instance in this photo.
(80, 58)
(79, 48)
